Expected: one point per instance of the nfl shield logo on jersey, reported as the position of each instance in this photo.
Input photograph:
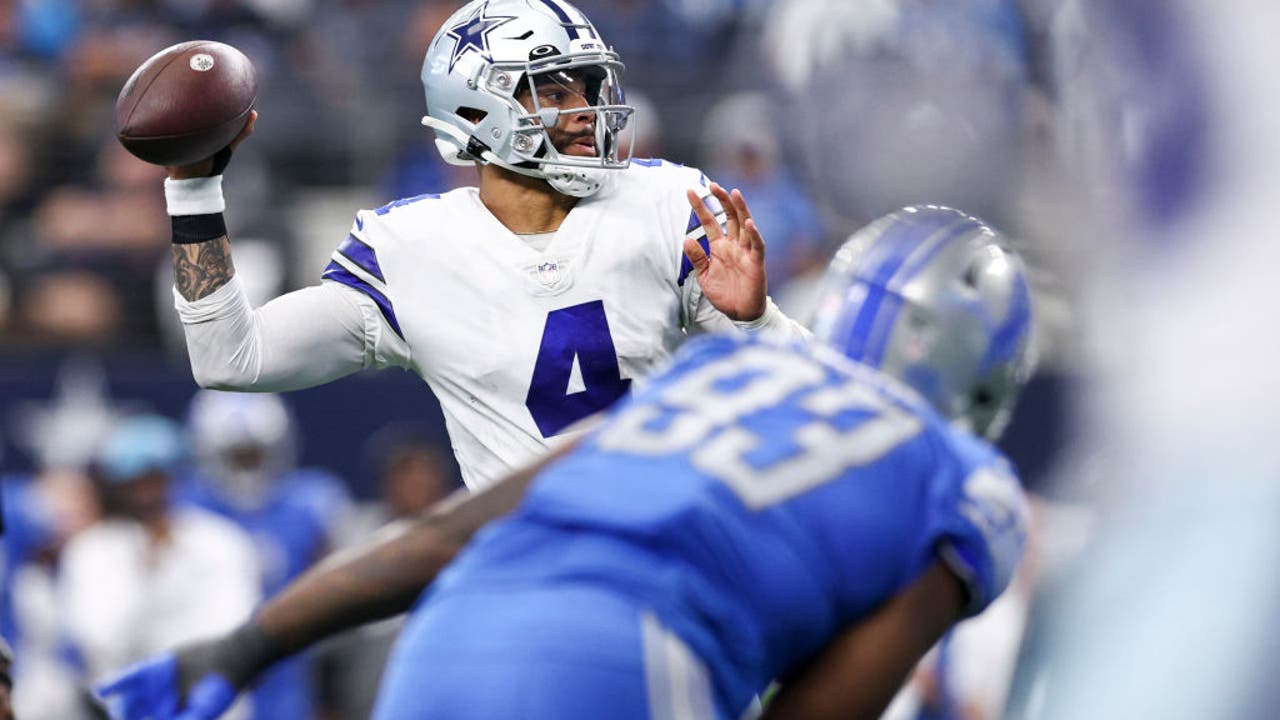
(548, 273)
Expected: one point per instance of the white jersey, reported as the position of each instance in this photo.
(517, 344)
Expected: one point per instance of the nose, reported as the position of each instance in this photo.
(580, 114)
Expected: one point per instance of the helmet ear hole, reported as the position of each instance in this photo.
(472, 115)
(982, 397)
(970, 277)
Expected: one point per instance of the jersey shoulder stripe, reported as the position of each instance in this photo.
(344, 275)
(362, 255)
(355, 264)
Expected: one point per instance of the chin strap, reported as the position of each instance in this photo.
(569, 181)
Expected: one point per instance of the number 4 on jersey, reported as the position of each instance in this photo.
(574, 335)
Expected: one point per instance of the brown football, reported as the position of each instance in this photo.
(186, 102)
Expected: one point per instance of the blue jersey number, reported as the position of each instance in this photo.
(574, 335)
(701, 414)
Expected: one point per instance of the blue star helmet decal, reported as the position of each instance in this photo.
(473, 34)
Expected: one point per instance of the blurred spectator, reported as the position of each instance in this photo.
(742, 151)
(150, 576)
(84, 268)
(246, 453)
(16, 198)
(414, 476)
(71, 306)
(16, 171)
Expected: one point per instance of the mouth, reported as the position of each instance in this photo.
(584, 146)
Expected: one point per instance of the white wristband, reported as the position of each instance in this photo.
(194, 196)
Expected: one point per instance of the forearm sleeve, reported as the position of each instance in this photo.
(300, 339)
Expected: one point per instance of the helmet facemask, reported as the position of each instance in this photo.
(557, 95)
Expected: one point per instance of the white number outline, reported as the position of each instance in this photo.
(702, 425)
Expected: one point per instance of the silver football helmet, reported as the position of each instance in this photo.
(242, 443)
(935, 298)
(484, 59)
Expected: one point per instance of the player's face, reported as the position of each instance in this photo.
(574, 133)
(146, 497)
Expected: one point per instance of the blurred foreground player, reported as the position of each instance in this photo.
(763, 508)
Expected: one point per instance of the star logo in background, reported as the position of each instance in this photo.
(65, 431)
(472, 34)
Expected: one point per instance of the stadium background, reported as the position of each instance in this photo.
(827, 113)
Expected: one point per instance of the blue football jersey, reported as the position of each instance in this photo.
(760, 495)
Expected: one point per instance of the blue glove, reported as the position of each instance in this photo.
(150, 690)
(209, 698)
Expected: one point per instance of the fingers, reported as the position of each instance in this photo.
(732, 221)
(693, 250)
(707, 220)
(750, 239)
(740, 205)
(247, 131)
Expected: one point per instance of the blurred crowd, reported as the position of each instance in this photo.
(826, 113)
(161, 531)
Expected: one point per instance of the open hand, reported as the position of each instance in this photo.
(732, 277)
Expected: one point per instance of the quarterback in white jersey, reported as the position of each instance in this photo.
(527, 303)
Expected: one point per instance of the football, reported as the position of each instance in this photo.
(186, 102)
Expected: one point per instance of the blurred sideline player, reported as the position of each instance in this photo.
(762, 508)
(527, 303)
(245, 447)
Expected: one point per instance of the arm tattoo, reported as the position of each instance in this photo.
(201, 268)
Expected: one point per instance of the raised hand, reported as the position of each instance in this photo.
(732, 278)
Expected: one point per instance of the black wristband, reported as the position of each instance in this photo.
(240, 657)
(188, 229)
(221, 159)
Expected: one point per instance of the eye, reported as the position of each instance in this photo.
(552, 97)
